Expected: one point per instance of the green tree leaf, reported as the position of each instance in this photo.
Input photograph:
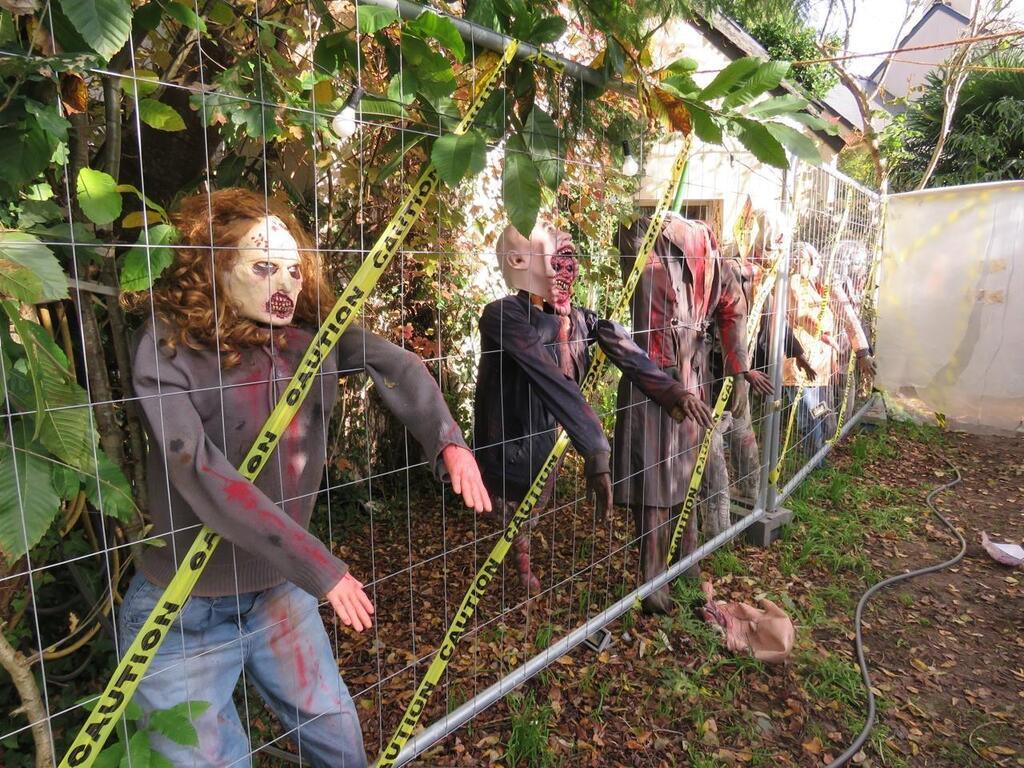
(762, 144)
(161, 116)
(66, 481)
(98, 196)
(796, 142)
(520, 186)
(26, 152)
(737, 72)
(108, 491)
(335, 51)
(814, 122)
(142, 265)
(432, 70)
(184, 15)
(778, 105)
(110, 757)
(371, 18)
(28, 501)
(139, 751)
(459, 156)
(175, 725)
(547, 30)
(546, 146)
(429, 24)
(705, 126)
(49, 119)
(29, 271)
(103, 24)
(59, 406)
(767, 76)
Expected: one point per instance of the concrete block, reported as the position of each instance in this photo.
(875, 416)
(767, 529)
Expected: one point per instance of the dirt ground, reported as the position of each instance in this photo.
(946, 650)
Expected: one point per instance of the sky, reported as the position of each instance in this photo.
(876, 23)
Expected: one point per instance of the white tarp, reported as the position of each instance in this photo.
(951, 305)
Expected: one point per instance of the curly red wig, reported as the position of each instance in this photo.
(183, 297)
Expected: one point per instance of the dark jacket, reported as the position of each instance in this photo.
(522, 395)
(201, 420)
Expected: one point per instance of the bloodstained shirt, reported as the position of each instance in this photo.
(201, 420)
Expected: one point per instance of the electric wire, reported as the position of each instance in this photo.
(869, 723)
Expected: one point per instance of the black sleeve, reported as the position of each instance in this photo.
(507, 324)
(634, 363)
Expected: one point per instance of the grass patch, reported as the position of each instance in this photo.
(531, 727)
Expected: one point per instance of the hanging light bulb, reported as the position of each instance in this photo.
(629, 164)
(344, 123)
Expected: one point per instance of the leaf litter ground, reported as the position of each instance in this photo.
(946, 650)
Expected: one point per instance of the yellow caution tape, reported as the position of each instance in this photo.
(493, 562)
(123, 683)
(826, 293)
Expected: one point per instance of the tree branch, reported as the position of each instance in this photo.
(19, 668)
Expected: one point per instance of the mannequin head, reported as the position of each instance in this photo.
(244, 268)
(770, 236)
(265, 278)
(544, 265)
(806, 261)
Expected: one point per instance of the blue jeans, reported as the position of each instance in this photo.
(277, 635)
(810, 428)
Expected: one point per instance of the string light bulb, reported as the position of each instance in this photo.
(344, 123)
(630, 167)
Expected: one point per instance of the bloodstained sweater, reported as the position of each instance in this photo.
(201, 421)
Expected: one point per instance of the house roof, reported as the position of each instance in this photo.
(730, 38)
(936, 7)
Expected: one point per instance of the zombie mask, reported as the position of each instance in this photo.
(766, 633)
(545, 265)
(807, 261)
(265, 280)
(770, 237)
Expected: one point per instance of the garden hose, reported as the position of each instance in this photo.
(869, 723)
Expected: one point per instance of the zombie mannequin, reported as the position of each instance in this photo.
(230, 321)
(534, 353)
(683, 289)
(805, 299)
(768, 243)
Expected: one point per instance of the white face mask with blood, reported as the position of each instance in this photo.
(265, 280)
(545, 265)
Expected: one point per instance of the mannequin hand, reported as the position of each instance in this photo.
(805, 366)
(600, 487)
(692, 407)
(827, 338)
(867, 365)
(351, 603)
(465, 477)
(759, 382)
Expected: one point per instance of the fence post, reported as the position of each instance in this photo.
(776, 340)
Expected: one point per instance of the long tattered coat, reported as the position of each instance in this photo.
(682, 290)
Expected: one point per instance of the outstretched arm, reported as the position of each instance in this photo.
(639, 369)
(410, 392)
(731, 319)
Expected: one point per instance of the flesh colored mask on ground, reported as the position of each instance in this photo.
(545, 265)
(265, 280)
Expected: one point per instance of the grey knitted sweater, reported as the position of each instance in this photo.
(201, 420)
